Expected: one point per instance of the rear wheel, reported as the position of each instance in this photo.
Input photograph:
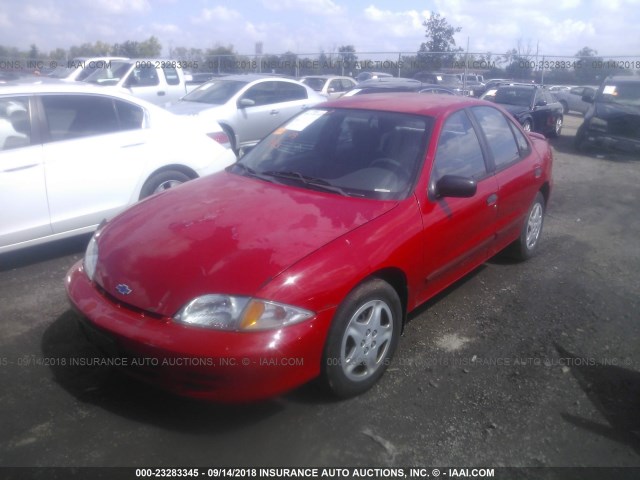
(557, 128)
(526, 245)
(362, 338)
(162, 181)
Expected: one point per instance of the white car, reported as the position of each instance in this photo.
(72, 155)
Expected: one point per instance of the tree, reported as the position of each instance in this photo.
(439, 49)
(349, 58)
(520, 65)
(222, 59)
(586, 67)
(150, 48)
(33, 52)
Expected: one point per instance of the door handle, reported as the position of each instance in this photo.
(274, 112)
(161, 93)
(492, 200)
(132, 145)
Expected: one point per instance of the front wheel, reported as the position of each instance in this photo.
(526, 125)
(162, 181)
(526, 245)
(362, 338)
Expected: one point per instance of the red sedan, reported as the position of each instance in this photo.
(303, 259)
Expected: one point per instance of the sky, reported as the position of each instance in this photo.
(558, 27)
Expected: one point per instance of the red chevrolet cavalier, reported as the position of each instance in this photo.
(303, 259)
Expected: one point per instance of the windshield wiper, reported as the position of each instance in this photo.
(320, 183)
(250, 172)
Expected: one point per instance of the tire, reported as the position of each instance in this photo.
(578, 141)
(526, 125)
(362, 339)
(162, 181)
(232, 138)
(557, 128)
(526, 246)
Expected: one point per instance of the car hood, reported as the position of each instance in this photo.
(220, 234)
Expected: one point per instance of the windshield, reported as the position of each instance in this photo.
(451, 80)
(61, 72)
(111, 73)
(314, 83)
(359, 153)
(514, 96)
(625, 93)
(215, 92)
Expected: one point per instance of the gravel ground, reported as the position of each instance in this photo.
(519, 364)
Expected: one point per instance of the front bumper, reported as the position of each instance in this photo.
(612, 142)
(197, 362)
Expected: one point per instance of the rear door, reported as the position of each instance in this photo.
(458, 232)
(94, 157)
(517, 172)
(24, 211)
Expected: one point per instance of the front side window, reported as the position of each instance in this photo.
(143, 77)
(358, 153)
(459, 152)
(76, 116)
(15, 123)
(215, 92)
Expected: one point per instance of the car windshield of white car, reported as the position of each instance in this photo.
(109, 75)
(364, 153)
(216, 92)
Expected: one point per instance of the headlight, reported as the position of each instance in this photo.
(237, 313)
(91, 257)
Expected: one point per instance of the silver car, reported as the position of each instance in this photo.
(571, 99)
(329, 86)
(248, 107)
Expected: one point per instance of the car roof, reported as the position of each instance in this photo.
(326, 77)
(252, 77)
(406, 102)
(48, 85)
(622, 78)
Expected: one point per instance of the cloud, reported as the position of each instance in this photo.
(315, 7)
(120, 6)
(47, 15)
(217, 13)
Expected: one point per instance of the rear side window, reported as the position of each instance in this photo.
(171, 74)
(499, 135)
(15, 124)
(459, 151)
(75, 116)
(131, 117)
(288, 92)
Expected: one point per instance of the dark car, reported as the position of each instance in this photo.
(613, 119)
(447, 80)
(393, 84)
(534, 107)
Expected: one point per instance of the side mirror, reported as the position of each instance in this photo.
(541, 103)
(588, 97)
(246, 102)
(455, 186)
